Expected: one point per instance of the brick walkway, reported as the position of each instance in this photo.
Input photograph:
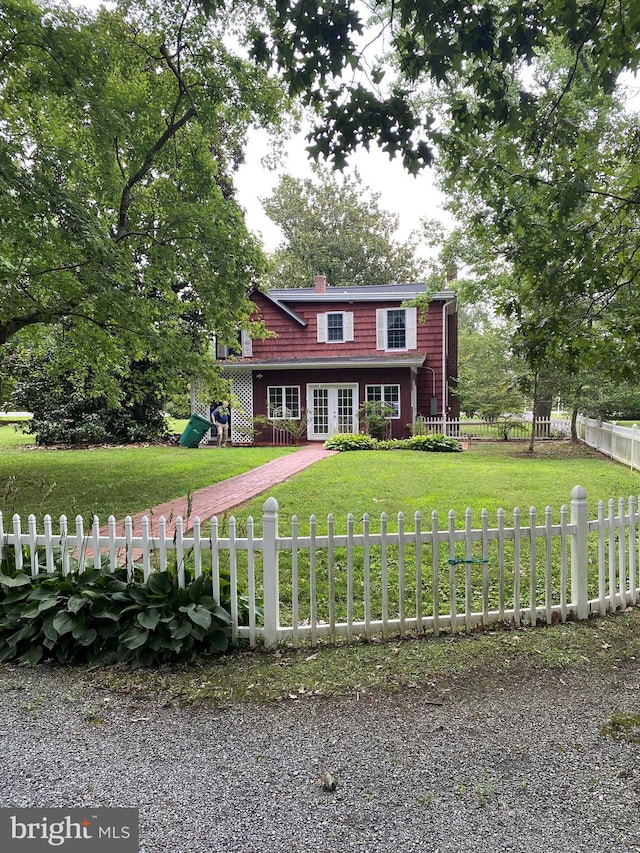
(222, 496)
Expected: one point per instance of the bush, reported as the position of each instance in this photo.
(346, 441)
(103, 618)
(434, 442)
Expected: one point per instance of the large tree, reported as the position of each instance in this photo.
(334, 225)
(119, 134)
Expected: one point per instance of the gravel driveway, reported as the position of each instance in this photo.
(492, 766)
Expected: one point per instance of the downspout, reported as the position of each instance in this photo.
(445, 384)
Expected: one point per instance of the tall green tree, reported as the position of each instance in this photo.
(119, 135)
(334, 225)
(550, 217)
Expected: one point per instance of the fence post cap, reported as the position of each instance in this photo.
(578, 493)
(270, 505)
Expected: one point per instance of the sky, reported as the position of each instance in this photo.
(411, 198)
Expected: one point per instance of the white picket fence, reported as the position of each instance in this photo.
(503, 428)
(376, 578)
(617, 442)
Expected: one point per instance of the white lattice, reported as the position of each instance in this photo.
(242, 415)
(202, 408)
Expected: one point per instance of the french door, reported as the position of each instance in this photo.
(332, 409)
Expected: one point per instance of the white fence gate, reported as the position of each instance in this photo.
(376, 577)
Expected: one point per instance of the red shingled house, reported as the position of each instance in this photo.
(335, 348)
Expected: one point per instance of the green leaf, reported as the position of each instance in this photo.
(218, 641)
(160, 583)
(134, 638)
(17, 581)
(149, 619)
(200, 615)
(64, 622)
(86, 636)
(180, 630)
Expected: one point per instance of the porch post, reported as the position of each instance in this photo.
(270, 577)
(579, 553)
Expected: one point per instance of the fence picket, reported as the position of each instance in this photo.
(401, 575)
(233, 574)
(516, 567)
(366, 568)
(563, 561)
(313, 584)
(350, 601)
(501, 541)
(533, 610)
(295, 591)
(435, 573)
(331, 579)
(622, 553)
(215, 558)
(48, 544)
(602, 578)
(384, 575)
(612, 555)
(251, 581)
(197, 547)
(452, 573)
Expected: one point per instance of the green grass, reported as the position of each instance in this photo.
(106, 481)
(600, 648)
(488, 476)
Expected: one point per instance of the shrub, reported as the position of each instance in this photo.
(374, 418)
(346, 441)
(434, 442)
(104, 618)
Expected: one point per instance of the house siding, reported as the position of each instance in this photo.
(342, 376)
(294, 326)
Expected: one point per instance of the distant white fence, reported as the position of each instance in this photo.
(500, 429)
(376, 578)
(617, 442)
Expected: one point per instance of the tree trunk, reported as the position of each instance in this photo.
(574, 428)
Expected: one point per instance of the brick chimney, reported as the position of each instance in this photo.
(320, 283)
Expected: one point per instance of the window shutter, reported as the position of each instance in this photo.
(222, 351)
(381, 328)
(321, 321)
(411, 317)
(347, 319)
(247, 344)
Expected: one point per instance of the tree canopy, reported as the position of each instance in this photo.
(335, 225)
(119, 135)
(324, 50)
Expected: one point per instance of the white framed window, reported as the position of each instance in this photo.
(283, 401)
(389, 395)
(396, 328)
(335, 327)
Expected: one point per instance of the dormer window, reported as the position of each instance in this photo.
(335, 327)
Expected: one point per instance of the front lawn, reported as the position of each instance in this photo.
(105, 481)
(488, 476)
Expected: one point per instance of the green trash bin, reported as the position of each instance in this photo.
(194, 431)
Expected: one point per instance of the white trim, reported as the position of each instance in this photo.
(410, 329)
